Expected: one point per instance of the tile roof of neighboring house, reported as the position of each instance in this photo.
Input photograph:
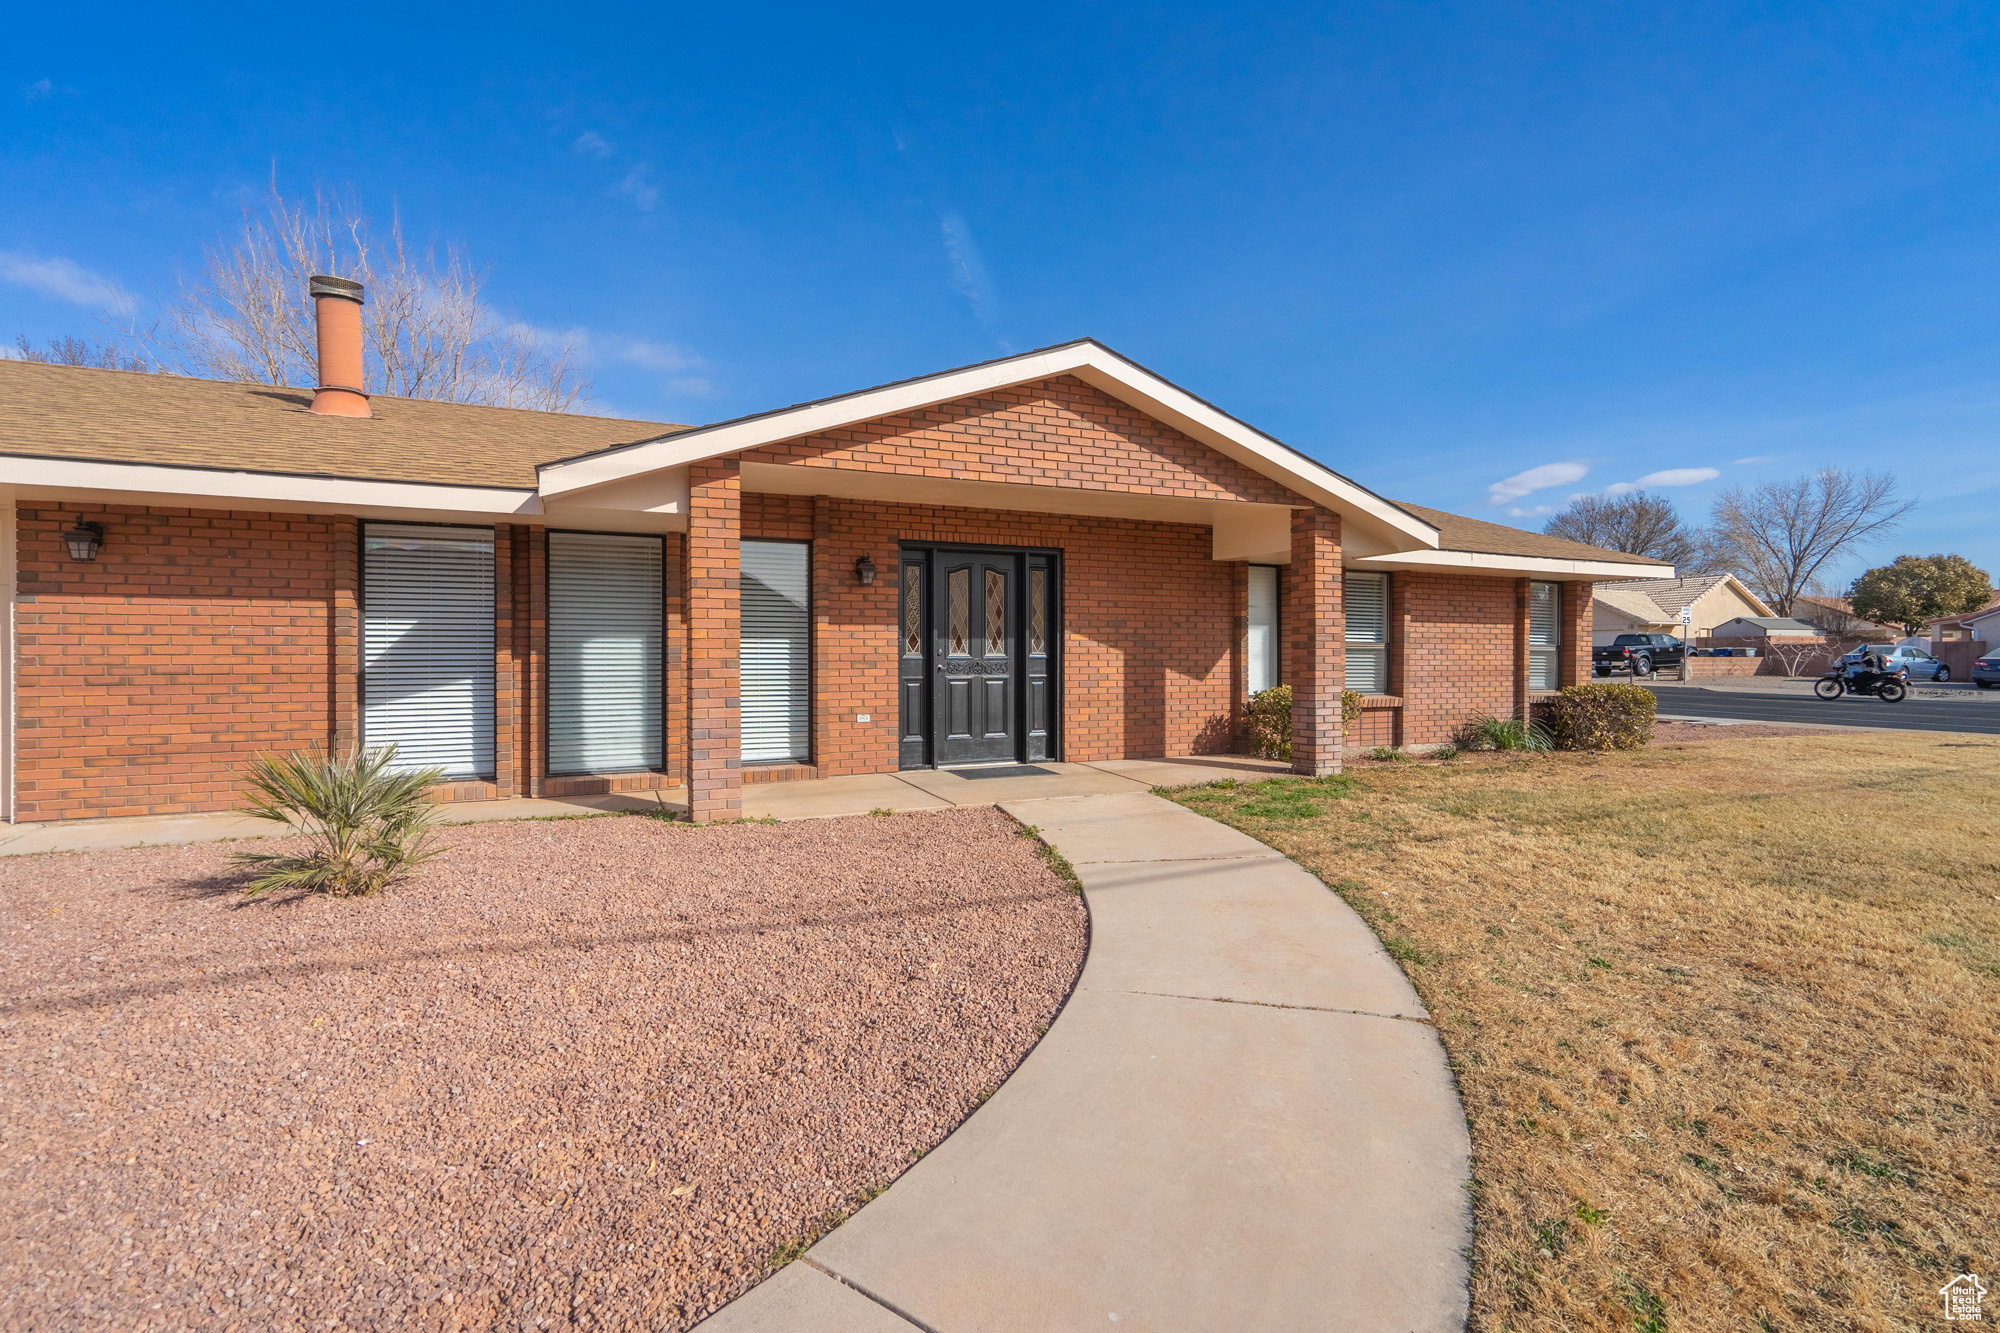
(1670, 595)
(1844, 612)
(1980, 614)
(1639, 607)
(1459, 533)
(122, 416)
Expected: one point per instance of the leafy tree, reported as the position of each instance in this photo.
(1917, 588)
(1778, 535)
(1637, 524)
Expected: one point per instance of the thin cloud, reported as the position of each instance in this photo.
(592, 143)
(66, 280)
(683, 365)
(37, 90)
(1753, 461)
(651, 355)
(1535, 479)
(1673, 476)
(969, 277)
(642, 192)
(1532, 511)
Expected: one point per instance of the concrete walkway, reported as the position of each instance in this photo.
(1241, 1120)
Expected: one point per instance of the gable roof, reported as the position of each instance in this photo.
(1459, 533)
(1670, 595)
(1775, 624)
(124, 416)
(1635, 606)
(1086, 359)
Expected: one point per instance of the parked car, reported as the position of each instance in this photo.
(1640, 654)
(1986, 671)
(1919, 664)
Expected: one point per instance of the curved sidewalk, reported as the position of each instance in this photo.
(1241, 1120)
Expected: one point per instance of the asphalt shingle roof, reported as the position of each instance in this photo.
(1459, 533)
(122, 416)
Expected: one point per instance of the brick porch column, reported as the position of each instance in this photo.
(1576, 618)
(715, 627)
(1239, 657)
(1315, 641)
(344, 652)
(1520, 648)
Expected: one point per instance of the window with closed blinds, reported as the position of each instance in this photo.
(1367, 598)
(606, 645)
(1262, 647)
(777, 652)
(1544, 636)
(427, 646)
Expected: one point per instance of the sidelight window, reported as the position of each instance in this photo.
(1262, 643)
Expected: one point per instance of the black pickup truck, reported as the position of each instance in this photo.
(1640, 654)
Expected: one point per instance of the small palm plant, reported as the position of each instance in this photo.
(367, 823)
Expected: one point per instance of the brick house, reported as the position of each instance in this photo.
(1057, 555)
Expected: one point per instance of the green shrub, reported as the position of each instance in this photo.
(1502, 733)
(1444, 752)
(1599, 717)
(1387, 754)
(365, 824)
(1270, 715)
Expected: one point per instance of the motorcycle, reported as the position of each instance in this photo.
(1888, 686)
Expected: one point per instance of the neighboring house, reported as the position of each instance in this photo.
(1835, 616)
(1980, 626)
(1057, 555)
(1766, 627)
(1654, 606)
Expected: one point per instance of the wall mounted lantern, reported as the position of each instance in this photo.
(864, 569)
(84, 539)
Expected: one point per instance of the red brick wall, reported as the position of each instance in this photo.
(1456, 657)
(148, 677)
(1148, 649)
(1059, 432)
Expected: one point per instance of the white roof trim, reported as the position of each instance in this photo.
(1488, 562)
(260, 488)
(1097, 365)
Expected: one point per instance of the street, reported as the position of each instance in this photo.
(1913, 714)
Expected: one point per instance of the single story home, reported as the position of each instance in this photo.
(1835, 616)
(1981, 626)
(1657, 606)
(1766, 627)
(1055, 555)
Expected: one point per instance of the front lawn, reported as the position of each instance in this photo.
(1723, 1014)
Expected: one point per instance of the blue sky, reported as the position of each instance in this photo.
(1480, 257)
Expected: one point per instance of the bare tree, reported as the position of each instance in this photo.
(1637, 524)
(70, 350)
(428, 334)
(1778, 535)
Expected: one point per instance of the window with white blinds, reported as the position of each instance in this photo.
(1367, 598)
(606, 646)
(1544, 636)
(427, 646)
(777, 652)
(1261, 656)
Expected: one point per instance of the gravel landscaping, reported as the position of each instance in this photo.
(572, 1074)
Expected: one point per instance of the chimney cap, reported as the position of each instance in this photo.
(345, 288)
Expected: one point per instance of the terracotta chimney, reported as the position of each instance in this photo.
(337, 308)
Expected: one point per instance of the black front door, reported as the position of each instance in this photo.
(975, 657)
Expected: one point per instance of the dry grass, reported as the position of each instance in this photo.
(1722, 1015)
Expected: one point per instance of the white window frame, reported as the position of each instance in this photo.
(1367, 649)
(1263, 663)
(800, 749)
(1545, 649)
(592, 674)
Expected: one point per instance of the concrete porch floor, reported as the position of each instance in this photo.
(818, 798)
